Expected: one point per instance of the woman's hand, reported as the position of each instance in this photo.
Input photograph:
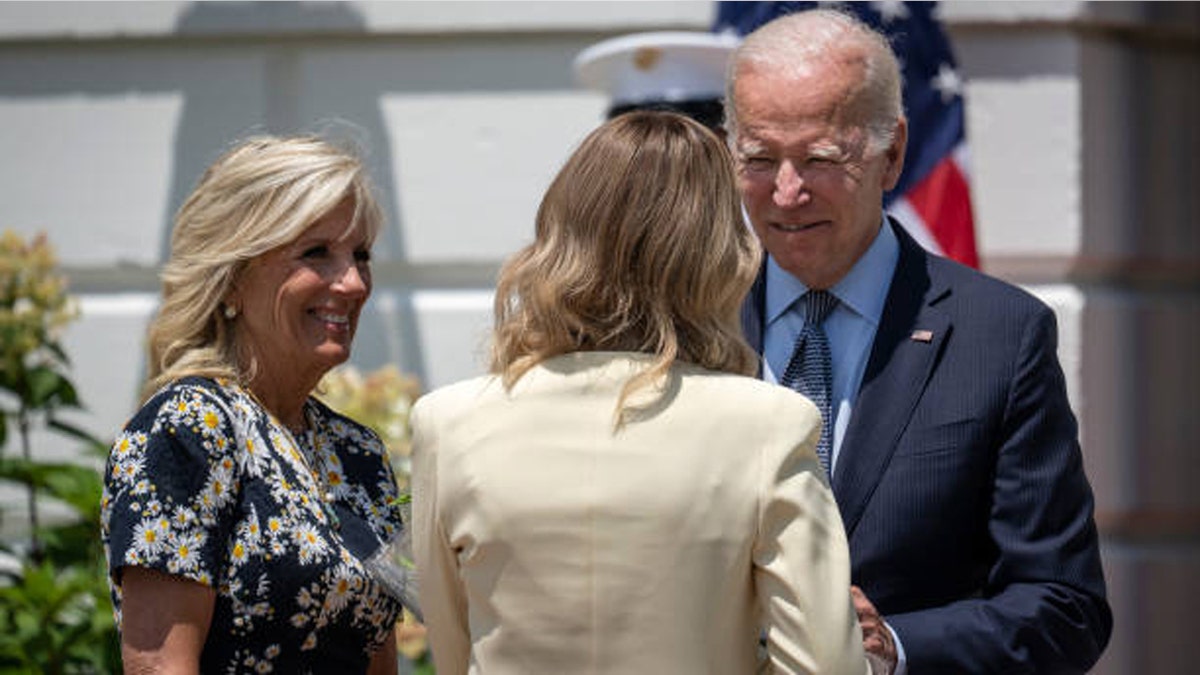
(384, 661)
(877, 637)
(164, 621)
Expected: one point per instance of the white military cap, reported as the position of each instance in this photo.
(657, 69)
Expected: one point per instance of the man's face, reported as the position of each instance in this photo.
(811, 186)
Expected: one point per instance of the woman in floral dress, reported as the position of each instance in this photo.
(238, 510)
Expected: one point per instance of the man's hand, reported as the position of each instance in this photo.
(877, 638)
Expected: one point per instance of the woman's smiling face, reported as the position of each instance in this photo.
(299, 304)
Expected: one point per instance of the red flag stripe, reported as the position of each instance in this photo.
(943, 200)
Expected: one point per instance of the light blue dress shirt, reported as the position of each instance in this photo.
(850, 327)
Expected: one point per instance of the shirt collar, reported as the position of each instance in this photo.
(864, 288)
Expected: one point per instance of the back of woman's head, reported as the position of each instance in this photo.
(262, 194)
(639, 247)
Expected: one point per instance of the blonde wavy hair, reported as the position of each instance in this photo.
(639, 247)
(260, 195)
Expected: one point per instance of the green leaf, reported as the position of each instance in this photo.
(58, 352)
(3, 428)
(47, 388)
(76, 545)
(39, 583)
(76, 432)
(65, 480)
(67, 396)
(78, 486)
(11, 375)
(44, 385)
(16, 469)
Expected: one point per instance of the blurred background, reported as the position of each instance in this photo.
(1081, 121)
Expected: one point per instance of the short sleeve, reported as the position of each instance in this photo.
(170, 484)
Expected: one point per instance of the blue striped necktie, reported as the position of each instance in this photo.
(810, 370)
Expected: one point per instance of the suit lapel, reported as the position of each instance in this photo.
(910, 336)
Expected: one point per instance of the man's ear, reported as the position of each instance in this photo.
(894, 155)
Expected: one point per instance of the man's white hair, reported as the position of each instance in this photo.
(795, 44)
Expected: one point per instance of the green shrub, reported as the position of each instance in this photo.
(55, 612)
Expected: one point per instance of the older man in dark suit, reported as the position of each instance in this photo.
(951, 446)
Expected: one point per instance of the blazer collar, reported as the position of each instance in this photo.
(898, 370)
(910, 337)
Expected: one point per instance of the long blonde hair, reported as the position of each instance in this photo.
(639, 247)
(262, 194)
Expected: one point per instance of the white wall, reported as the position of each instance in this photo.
(465, 109)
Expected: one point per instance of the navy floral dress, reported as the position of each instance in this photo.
(203, 483)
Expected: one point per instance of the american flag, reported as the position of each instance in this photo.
(933, 198)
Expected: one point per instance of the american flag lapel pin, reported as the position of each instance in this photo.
(922, 336)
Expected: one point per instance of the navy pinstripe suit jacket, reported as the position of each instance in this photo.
(960, 479)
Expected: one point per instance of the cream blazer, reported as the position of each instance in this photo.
(546, 541)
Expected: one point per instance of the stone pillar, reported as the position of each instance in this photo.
(1083, 121)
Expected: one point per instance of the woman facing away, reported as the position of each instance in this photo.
(238, 510)
(620, 495)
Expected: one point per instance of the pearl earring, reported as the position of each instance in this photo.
(230, 312)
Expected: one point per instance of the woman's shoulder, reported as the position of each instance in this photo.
(766, 413)
(195, 385)
(182, 396)
(345, 429)
(458, 395)
(331, 416)
(743, 390)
